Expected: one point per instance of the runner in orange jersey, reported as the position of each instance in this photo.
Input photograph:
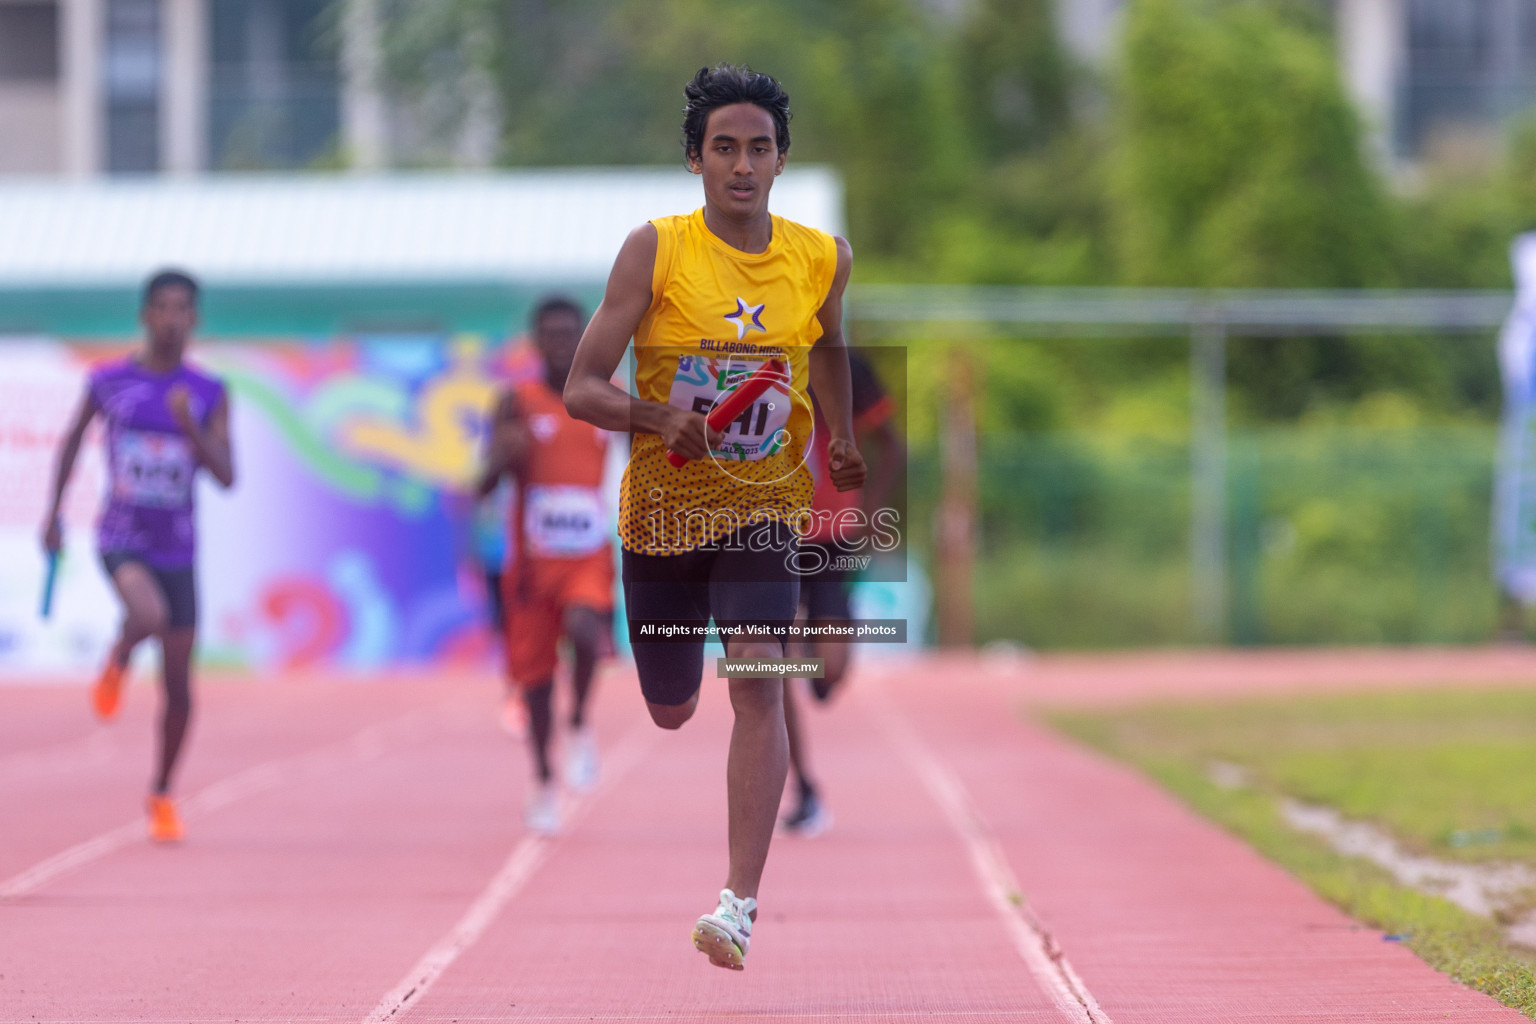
(561, 581)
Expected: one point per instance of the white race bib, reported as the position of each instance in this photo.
(702, 381)
(563, 521)
(152, 469)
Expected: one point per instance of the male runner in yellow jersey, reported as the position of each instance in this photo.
(707, 298)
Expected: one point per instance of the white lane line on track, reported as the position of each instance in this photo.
(1041, 953)
(363, 745)
(525, 859)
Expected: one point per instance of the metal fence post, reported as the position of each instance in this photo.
(1208, 478)
(955, 524)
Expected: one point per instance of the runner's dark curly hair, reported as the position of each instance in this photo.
(723, 85)
(555, 304)
(170, 279)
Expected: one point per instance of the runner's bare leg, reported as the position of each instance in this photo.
(584, 627)
(755, 769)
(144, 610)
(538, 699)
(798, 758)
(176, 652)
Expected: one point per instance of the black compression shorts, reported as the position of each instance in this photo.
(744, 578)
(179, 586)
(824, 591)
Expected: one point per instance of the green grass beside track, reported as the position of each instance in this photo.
(1449, 773)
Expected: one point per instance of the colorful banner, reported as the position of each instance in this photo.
(349, 539)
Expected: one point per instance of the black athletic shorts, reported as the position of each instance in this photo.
(178, 585)
(824, 592)
(744, 578)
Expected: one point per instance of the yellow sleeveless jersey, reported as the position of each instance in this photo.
(716, 315)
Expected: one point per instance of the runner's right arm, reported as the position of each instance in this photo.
(508, 446)
(589, 393)
(69, 449)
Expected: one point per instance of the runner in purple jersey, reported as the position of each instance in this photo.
(164, 422)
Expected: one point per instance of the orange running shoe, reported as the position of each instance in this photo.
(164, 823)
(107, 694)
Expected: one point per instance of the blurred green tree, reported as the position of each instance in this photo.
(1221, 151)
(1238, 159)
(600, 83)
(1014, 77)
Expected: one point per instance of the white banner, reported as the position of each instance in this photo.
(39, 392)
(1514, 506)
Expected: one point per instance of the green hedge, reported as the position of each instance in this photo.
(1335, 535)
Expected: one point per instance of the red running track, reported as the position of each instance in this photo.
(355, 854)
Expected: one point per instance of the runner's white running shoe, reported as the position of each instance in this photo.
(543, 812)
(725, 934)
(581, 768)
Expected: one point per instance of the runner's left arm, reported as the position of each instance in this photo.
(211, 443)
(832, 383)
(890, 452)
(874, 424)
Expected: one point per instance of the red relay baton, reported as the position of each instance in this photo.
(747, 392)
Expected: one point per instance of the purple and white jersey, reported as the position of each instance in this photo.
(150, 462)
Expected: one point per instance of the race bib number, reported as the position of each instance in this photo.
(152, 470)
(759, 431)
(563, 522)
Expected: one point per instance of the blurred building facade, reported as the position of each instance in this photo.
(1435, 73)
(91, 87)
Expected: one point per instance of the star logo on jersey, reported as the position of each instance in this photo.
(744, 311)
